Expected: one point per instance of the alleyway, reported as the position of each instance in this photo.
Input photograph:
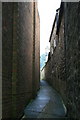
(21, 61)
(47, 104)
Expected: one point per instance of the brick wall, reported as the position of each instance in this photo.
(7, 48)
(36, 50)
(18, 46)
(23, 49)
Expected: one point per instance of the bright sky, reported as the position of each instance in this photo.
(47, 11)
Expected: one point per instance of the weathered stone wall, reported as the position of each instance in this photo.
(58, 62)
(65, 61)
(55, 67)
(48, 72)
(72, 39)
(18, 50)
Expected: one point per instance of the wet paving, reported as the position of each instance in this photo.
(47, 104)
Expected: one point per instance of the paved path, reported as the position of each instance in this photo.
(47, 104)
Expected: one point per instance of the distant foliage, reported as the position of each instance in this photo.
(42, 60)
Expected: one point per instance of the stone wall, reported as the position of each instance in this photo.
(47, 71)
(58, 62)
(42, 74)
(18, 50)
(65, 61)
(72, 40)
(55, 67)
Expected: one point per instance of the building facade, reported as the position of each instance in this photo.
(20, 36)
(62, 69)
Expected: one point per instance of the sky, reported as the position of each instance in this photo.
(47, 11)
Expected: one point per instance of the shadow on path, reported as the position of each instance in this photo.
(47, 104)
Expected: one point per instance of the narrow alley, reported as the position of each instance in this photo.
(28, 90)
(47, 104)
